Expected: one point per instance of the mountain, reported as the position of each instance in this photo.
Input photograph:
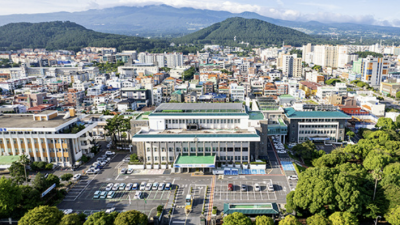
(253, 31)
(167, 21)
(69, 36)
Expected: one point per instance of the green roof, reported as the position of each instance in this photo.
(195, 160)
(193, 135)
(256, 115)
(8, 159)
(198, 114)
(285, 96)
(293, 114)
(177, 92)
(251, 208)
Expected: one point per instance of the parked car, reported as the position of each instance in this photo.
(123, 171)
(148, 186)
(128, 187)
(161, 187)
(122, 186)
(96, 194)
(127, 159)
(67, 211)
(230, 187)
(109, 186)
(135, 186)
(115, 187)
(103, 194)
(281, 151)
(110, 210)
(111, 194)
(155, 186)
(270, 187)
(142, 186)
(109, 153)
(76, 176)
(292, 177)
(243, 187)
(257, 187)
(138, 195)
(168, 186)
(130, 170)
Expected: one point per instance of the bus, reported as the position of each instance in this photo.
(189, 200)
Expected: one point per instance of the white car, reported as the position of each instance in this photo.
(67, 211)
(123, 171)
(109, 186)
(270, 187)
(148, 186)
(257, 187)
(138, 195)
(130, 170)
(76, 176)
(292, 177)
(142, 186)
(110, 210)
(128, 187)
(110, 153)
(115, 187)
(281, 151)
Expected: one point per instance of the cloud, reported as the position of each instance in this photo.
(320, 5)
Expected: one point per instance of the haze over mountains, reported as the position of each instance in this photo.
(167, 21)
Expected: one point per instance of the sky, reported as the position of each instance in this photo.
(341, 11)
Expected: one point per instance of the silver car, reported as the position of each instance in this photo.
(115, 187)
(128, 187)
(148, 186)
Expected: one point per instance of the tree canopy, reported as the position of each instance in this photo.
(289, 220)
(317, 220)
(131, 217)
(264, 220)
(237, 218)
(10, 196)
(365, 54)
(42, 215)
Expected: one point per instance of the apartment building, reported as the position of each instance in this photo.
(374, 70)
(74, 96)
(46, 137)
(291, 65)
(237, 93)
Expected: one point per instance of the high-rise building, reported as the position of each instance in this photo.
(160, 60)
(174, 59)
(291, 65)
(374, 70)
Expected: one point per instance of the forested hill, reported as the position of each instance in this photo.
(70, 36)
(253, 31)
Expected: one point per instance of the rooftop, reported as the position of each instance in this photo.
(8, 159)
(292, 114)
(199, 108)
(26, 121)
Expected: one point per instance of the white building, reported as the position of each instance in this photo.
(236, 92)
(174, 59)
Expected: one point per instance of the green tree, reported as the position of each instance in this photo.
(317, 220)
(51, 179)
(24, 160)
(343, 218)
(30, 198)
(71, 219)
(393, 216)
(307, 151)
(350, 134)
(376, 160)
(10, 196)
(39, 182)
(42, 215)
(264, 220)
(101, 218)
(66, 176)
(398, 121)
(398, 94)
(332, 81)
(385, 124)
(289, 220)
(17, 172)
(131, 217)
(237, 218)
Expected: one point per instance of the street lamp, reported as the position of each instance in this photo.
(376, 221)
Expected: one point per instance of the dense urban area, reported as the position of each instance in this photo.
(263, 131)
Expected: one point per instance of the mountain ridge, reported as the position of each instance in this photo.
(167, 21)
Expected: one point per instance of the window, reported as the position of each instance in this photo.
(163, 158)
(208, 149)
(148, 149)
(185, 149)
(192, 149)
(215, 149)
(171, 158)
(178, 149)
(200, 149)
(162, 149)
(237, 149)
(148, 158)
(155, 157)
(170, 149)
(155, 149)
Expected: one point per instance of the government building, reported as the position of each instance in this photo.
(199, 135)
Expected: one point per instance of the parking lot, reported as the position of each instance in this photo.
(80, 197)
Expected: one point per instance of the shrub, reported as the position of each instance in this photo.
(49, 166)
(214, 211)
(66, 177)
(160, 208)
(85, 159)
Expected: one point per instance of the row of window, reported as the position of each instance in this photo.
(318, 126)
(28, 141)
(203, 121)
(318, 120)
(228, 158)
(317, 132)
(200, 149)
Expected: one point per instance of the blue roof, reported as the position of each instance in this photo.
(292, 114)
